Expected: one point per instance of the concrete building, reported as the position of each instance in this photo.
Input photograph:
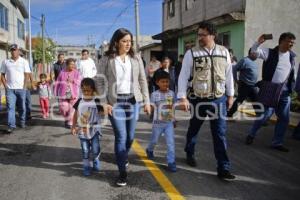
(72, 51)
(239, 22)
(154, 49)
(12, 26)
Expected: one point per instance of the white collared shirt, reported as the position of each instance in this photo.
(14, 72)
(123, 75)
(87, 68)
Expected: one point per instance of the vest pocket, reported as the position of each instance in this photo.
(220, 86)
(201, 83)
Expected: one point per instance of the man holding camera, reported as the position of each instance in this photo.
(278, 68)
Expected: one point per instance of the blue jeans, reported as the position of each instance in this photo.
(282, 112)
(88, 145)
(123, 120)
(263, 118)
(217, 125)
(168, 130)
(13, 98)
(28, 104)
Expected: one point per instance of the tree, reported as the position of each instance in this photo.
(38, 50)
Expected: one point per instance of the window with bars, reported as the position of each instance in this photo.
(189, 4)
(224, 39)
(3, 17)
(21, 30)
(171, 8)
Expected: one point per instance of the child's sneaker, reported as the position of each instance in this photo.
(150, 154)
(96, 165)
(172, 167)
(86, 170)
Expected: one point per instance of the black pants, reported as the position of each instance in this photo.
(244, 91)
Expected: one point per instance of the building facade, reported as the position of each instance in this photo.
(12, 26)
(239, 22)
(72, 51)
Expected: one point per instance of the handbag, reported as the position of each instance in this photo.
(269, 93)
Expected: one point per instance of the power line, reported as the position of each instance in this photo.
(36, 18)
(82, 10)
(116, 19)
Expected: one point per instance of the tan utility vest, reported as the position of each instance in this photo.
(209, 72)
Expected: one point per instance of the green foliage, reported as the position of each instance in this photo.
(49, 51)
(295, 104)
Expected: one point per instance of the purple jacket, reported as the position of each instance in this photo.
(61, 83)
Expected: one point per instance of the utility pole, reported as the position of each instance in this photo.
(137, 26)
(29, 38)
(43, 42)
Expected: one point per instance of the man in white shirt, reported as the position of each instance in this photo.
(14, 74)
(86, 65)
(278, 67)
(207, 68)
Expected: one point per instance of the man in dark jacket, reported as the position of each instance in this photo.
(58, 66)
(278, 67)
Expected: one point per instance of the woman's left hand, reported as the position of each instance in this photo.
(147, 109)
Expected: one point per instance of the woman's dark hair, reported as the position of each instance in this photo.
(88, 82)
(211, 28)
(69, 60)
(113, 49)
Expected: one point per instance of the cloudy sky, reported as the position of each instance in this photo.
(83, 21)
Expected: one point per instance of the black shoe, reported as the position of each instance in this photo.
(226, 175)
(190, 160)
(122, 180)
(249, 139)
(280, 148)
(10, 130)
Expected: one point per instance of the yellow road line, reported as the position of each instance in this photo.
(165, 183)
(250, 112)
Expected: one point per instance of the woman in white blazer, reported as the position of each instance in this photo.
(121, 78)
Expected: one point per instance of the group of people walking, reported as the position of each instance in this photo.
(119, 86)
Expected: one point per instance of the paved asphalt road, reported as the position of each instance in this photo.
(43, 162)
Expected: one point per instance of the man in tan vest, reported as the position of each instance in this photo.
(207, 76)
